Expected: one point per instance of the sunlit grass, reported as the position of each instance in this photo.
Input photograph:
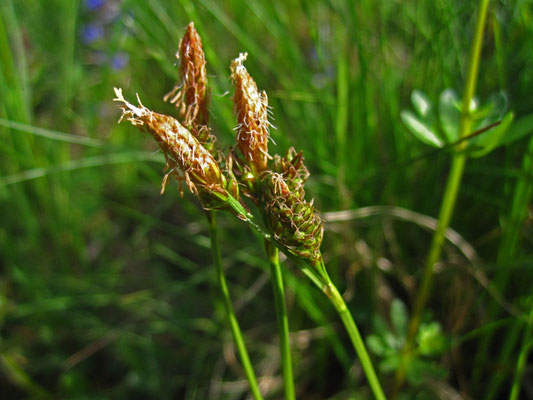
(96, 267)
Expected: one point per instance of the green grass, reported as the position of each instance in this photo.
(107, 290)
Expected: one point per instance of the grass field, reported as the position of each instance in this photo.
(107, 289)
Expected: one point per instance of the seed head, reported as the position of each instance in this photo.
(191, 95)
(187, 160)
(293, 221)
(251, 108)
(292, 168)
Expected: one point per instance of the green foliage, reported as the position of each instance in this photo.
(107, 289)
(388, 342)
(441, 128)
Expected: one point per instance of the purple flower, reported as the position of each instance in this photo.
(94, 4)
(119, 61)
(92, 32)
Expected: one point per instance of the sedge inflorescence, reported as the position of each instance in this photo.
(292, 220)
(187, 160)
(251, 110)
(274, 183)
(191, 95)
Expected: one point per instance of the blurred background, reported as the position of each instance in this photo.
(107, 290)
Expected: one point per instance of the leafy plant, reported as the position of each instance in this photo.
(388, 342)
(438, 126)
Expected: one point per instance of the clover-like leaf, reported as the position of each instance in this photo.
(493, 111)
(450, 114)
(398, 315)
(421, 103)
(390, 364)
(491, 139)
(376, 345)
(430, 339)
(520, 128)
(421, 129)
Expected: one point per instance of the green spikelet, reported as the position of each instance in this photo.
(293, 221)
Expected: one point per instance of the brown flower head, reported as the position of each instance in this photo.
(191, 95)
(251, 108)
(187, 160)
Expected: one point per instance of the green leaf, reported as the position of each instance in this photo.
(498, 106)
(389, 364)
(51, 134)
(392, 341)
(421, 103)
(398, 315)
(430, 339)
(415, 371)
(520, 128)
(491, 139)
(450, 114)
(376, 345)
(421, 131)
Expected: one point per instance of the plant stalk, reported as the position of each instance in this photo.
(317, 273)
(338, 302)
(232, 319)
(449, 199)
(283, 320)
(521, 363)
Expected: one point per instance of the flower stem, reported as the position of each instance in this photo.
(283, 320)
(338, 302)
(232, 319)
(449, 199)
(245, 215)
(317, 273)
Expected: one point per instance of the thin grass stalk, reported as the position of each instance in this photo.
(449, 199)
(353, 332)
(508, 248)
(317, 273)
(522, 358)
(232, 319)
(282, 319)
(14, 372)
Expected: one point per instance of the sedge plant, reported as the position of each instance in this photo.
(189, 149)
(273, 183)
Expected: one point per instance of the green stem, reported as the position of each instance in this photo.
(522, 359)
(449, 199)
(338, 302)
(317, 273)
(232, 319)
(21, 379)
(283, 320)
(243, 214)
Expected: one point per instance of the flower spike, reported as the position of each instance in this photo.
(187, 160)
(251, 109)
(191, 95)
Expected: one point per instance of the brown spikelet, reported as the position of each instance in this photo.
(191, 95)
(187, 159)
(251, 109)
